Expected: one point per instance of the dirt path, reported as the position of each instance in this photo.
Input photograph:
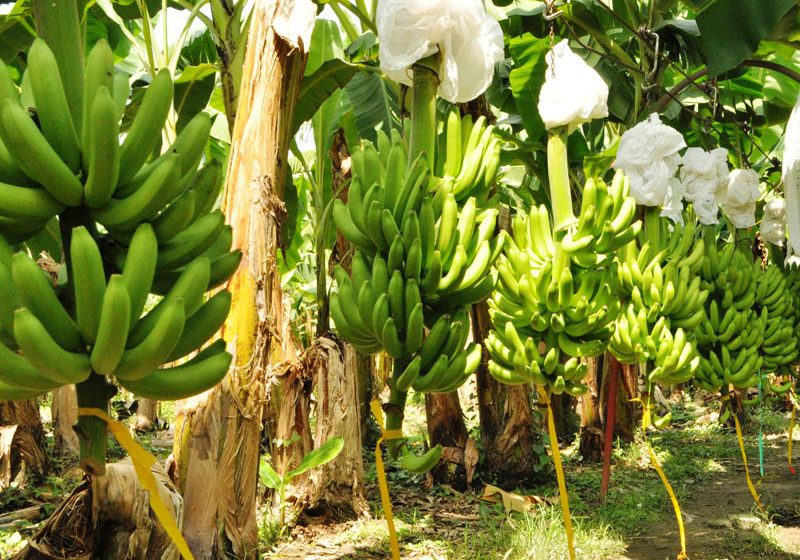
(722, 522)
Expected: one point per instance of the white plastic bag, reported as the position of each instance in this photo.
(705, 179)
(739, 201)
(471, 43)
(773, 224)
(791, 179)
(648, 154)
(573, 92)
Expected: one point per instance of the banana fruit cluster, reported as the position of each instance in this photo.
(729, 339)
(556, 300)
(663, 309)
(472, 157)
(420, 261)
(779, 347)
(132, 225)
(105, 334)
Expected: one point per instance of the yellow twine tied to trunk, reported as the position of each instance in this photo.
(386, 435)
(142, 463)
(791, 430)
(562, 485)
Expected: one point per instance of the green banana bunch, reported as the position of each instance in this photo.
(729, 338)
(773, 294)
(605, 224)
(665, 304)
(142, 225)
(420, 262)
(548, 311)
(105, 334)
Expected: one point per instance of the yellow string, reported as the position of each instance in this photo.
(750, 484)
(386, 435)
(791, 429)
(562, 486)
(657, 466)
(142, 463)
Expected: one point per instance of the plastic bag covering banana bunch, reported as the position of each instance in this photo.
(730, 336)
(773, 224)
(471, 43)
(738, 202)
(552, 307)
(420, 262)
(774, 295)
(141, 226)
(573, 92)
(648, 154)
(665, 304)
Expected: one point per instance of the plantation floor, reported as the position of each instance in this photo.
(700, 458)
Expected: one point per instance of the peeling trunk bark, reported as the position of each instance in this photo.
(65, 415)
(334, 490)
(108, 517)
(591, 434)
(146, 414)
(23, 457)
(508, 428)
(218, 437)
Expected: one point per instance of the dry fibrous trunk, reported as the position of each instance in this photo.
(108, 517)
(629, 413)
(23, 457)
(146, 414)
(335, 490)
(446, 427)
(591, 409)
(218, 437)
(508, 428)
(65, 415)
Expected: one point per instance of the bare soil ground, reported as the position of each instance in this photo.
(721, 520)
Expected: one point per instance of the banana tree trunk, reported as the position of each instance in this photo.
(65, 415)
(508, 428)
(217, 439)
(23, 457)
(592, 403)
(446, 427)
(146, 414)
(334, 490)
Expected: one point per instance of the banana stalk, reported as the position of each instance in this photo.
(423, 112)
(558, 172)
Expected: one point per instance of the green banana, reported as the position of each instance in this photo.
(89, 282)
(47, 355)
(103, 151)
(138, 362)
(113, 327)
(186, 380)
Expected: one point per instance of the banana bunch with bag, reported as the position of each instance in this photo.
(131, 225)
(665, 303)
(556, 300)
(730, 337)
(421, 260)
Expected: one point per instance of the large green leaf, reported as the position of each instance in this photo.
(193, 90)
(268, 476)
(319, 86)
(526, 80)
(733, 29)
(374, 104)
(325, 453)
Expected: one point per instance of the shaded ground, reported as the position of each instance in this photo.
(637, 523)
